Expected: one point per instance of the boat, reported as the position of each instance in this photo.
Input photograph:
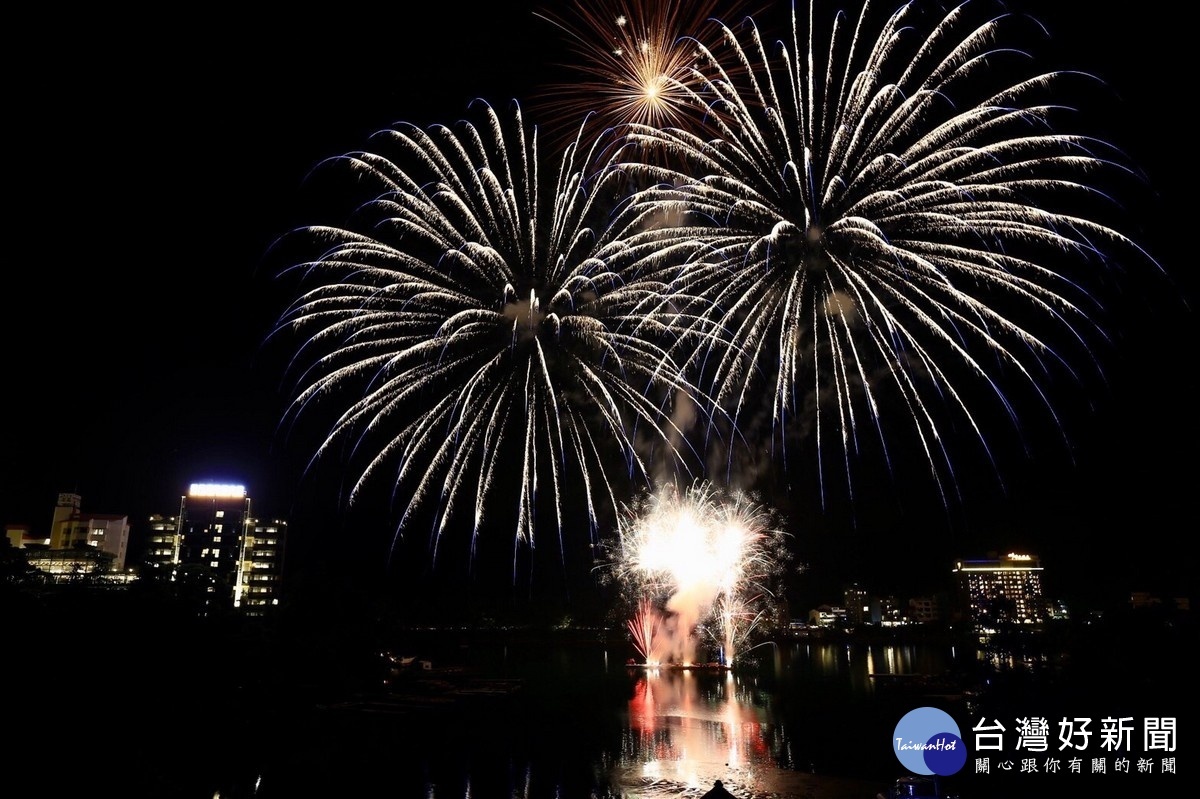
(912, 786)
(933, 686)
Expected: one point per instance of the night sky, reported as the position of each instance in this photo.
(157, 160)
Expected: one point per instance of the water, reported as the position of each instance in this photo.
(806, 718)
(582, 724)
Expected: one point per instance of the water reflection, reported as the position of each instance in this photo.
(689, 728)
(584, 727)
(805, 709)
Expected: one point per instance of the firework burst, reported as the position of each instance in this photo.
(883, 225)
(636, 59)
(473, 330)
(710, 559)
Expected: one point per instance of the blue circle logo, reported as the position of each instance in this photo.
(928, 741)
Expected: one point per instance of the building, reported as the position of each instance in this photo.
(1001, 591)
(260, 569)
(160, 540)
(21, 536)
(218, 552)
(79, 544)
(924, 609)
(71, 528)
(887, 611)
(857, 604)
(827, 616)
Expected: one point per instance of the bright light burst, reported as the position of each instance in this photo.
(475, 334)
(883, 225)
(878, 224)
(710, 561)
(636, 58)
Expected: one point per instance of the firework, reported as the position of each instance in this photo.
(711, 558)
(644, 631)
(636, 58)
(477, 332)
(883, 225)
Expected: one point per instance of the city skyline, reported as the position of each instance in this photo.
(145, 368)
(201, 532)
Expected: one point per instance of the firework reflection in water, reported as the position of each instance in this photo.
(705, 565)
(688, 729)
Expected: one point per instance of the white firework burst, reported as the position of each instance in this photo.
(476, 334)
(886, 224)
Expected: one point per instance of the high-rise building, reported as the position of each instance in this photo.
(217, 550)
(857, 604)
(1001, 591)
(259, 570)
(160, 541)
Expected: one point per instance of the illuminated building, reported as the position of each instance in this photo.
(857, 604)
(73, 529)
(1001, 591)
(887, 611)
(160, 543)
(93, 544)
(827, 616)
(259, 571)
(217, 549)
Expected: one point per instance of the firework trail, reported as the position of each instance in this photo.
(711, 559)
(644, 632)
(883, 225)
(475, 325)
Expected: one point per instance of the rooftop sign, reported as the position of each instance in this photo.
(219, 490)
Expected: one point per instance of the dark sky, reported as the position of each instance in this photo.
(155, 162)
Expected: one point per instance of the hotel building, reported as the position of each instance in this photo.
(218, 550)
(1001, 591)
(94, 544)
(74, 529)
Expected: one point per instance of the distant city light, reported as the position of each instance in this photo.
(216, 490)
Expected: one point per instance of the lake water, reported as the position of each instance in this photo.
(806, 718)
